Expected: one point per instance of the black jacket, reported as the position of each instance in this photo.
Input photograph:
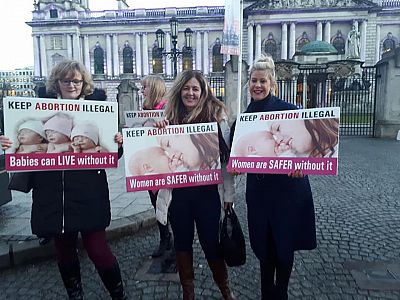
(282, 204)
(67, 201)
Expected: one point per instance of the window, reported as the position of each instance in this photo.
(339, 43)
(303, 40)
(270, 47)
(56, 42)
(157, 61)
(53, 13)
(389, 43)
(98, 59)
(217, 57)
(127, 58)
(187, 59)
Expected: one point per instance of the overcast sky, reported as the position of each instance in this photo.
(16, 42)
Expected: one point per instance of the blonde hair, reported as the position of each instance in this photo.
(209, 108)
(67, 68)
(157, 90)
(265, 63)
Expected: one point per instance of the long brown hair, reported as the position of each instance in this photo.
(207, 145)
(324, 135)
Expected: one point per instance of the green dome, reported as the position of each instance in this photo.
(315, 47)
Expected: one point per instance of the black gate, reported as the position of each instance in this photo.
(346, 84)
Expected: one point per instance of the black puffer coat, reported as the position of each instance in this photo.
(67, 201)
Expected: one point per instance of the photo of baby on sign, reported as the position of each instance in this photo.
(281, 142)
(53, 134)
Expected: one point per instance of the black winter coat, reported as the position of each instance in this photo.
(68, 201)
(277, 204)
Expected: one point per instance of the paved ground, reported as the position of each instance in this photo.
(358, 224)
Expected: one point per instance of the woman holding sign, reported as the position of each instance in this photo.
(280, 207)
(68, 202)
(191, 101)
(153, 88)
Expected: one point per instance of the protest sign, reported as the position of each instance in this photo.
(56, 134)
(174, 156)
(143, 118)
(281, 142)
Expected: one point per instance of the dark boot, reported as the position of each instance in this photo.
(283, 273)
(113, 282)
(165, 240)
(184, 264)
(220, 275)
(267, 271)
(71, 276)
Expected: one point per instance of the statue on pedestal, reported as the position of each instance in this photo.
(353, 44)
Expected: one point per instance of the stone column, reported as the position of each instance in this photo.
(292, 42)
(319, 31)
(258, 41)
(36, 56)
(198, 50)
(109, 55)
(206, 63)
(363, 39)
(43, 56)
(284, 41)
(138, 55)
(168, 62)
(327, 32)
(69, 46)
(250, 43)
(145, 55)
(86, 53)
(115, 55)
(378, 43)
(76, 44)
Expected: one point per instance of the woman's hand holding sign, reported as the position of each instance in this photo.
(5, 142)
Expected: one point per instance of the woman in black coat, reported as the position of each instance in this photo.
(68, 202)
(280, 207)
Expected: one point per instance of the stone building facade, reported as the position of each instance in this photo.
(121, 43)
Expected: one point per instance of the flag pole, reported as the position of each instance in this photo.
(239, 84)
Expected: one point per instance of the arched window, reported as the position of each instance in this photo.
(127, 58)
(157, 61)
(187, 59)
(389, 42)
(301, 41)
(217, 57)
(98, 59)
(269, 46)
(339, 43)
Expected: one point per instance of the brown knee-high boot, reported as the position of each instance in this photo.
(184, 263)
(220, 275)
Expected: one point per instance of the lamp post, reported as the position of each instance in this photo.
(175, 53)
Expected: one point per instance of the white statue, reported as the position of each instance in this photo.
(353, 43)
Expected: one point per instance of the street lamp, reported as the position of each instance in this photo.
(175, 53)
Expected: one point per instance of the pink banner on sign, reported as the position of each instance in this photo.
(173, 180)
(284, 165)
(60, 161)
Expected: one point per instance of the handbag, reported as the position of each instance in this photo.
(20, 182)
(231, 240)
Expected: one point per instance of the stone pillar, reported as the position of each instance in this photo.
(115, 55)
(86, 53)
(284, 41)
(138, 55)
(43, 56)
(109, 55)
(168, 62)
(387, 122)
(250, 43)
(145, 55)
(363, 39)
(327, 32)
(198, 50)
(76, 45)
(319, 31)
(69, 46)
(292, 42)
(258, 41)
(36, 56)
(206, 63)
(378, 43)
